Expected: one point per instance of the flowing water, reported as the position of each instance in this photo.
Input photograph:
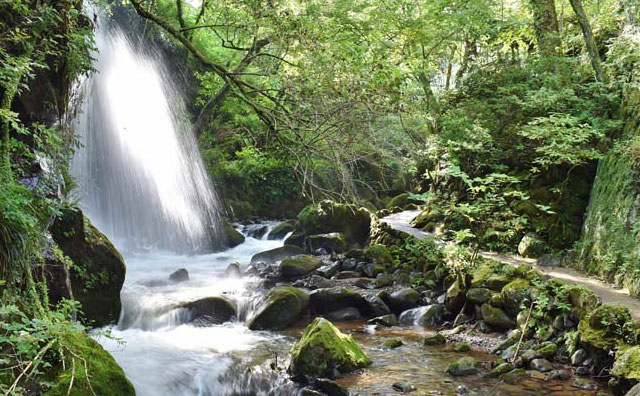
(143, 183)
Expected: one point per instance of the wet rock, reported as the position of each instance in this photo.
(513, 294)
(385, 320)
(329, 270)
(496, 317)
(232, 237)
(584, 384)
(256, 231)
(179, 275)
(483, 327)
(479, 295)
(365, 283)
(55, 273)
(306, 391)
(233, 271)
(461, 319)
(455, 298)
(514, 376)
(323, 301)
(501, 369)
(281, 230)
(542, 365)
(400, 277)
(350, 264)
(328, 216)
(314, 282)
(377, 307)
(582, 371)
(297, 267)
(436, 339)
(462, 347)
(333, 242)
(323, 350)
(635, 391)
(330, 388)
(92, 253)
(403, 387)
(561, 375)
(548, 350)
(370, 270)
(462, 389)
(384, 280)
(403, 299)
(431, 315)
(347, 275)
(211, 310)
(392, 343)
(277, 254)
(282, 307)
(344, 315)
(529, 355)
(462, 367)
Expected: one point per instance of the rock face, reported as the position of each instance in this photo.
(296, 267)
(324, 350)
(333, 242)
(283, 306)
(431, 315)
(56, 275)
(277, 254)
(98, 271)
(211, 310)
(328, 216)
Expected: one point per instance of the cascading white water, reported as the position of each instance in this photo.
(140, 176)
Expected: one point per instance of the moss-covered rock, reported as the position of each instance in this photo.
(333, 242)
(323, 350)
(400, 200)
(627, 363)
(296, 267)
(479, 295)
(436, 339)
(379, 254)
(514, 293)
(455, 298)
(327, 300)
(102, 377)
(283, 306)
(98, 269)
(277, 254)
(328, 216)
(232, 237)
(211, 310)
(605, 328)
(496, 317)
(548, 350)
(463, 366)
(392, 343)
(462, 347)
(532, 246)
(281, 230)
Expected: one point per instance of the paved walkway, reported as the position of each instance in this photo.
(609, 295)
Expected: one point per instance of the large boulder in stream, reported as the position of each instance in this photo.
(325, 301)
(282, 230)
(98, 269)
(297, 267)
(333, 242)
(277, 254)
(328, 216)
(211, 310)
(324, 351)
(282, 307)
(232, 237)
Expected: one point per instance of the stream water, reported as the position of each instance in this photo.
(143, 183)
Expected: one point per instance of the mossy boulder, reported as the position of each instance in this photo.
(455, 298)
(98, 269)
(582, 300)
(324, 350)
(436, 339)
(548, 350)
(281, 230)
(277, 254)
(282, 307)
(379, 254)
(627, 363)
(297, 267)
(232, 237)
(463, 366)
(328, 216)
(333, 242)
(514, 293)
(392, 343)
(97, 373)
(606, 327)
(400, 201)
(479, 295)
(532, 246)
(496, 317)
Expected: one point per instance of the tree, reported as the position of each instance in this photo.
(589, 41)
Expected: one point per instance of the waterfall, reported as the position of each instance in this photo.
(140, 177)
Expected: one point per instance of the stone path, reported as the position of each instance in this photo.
(609, 295)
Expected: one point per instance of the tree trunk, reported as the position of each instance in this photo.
(589, 41)
(546, 27)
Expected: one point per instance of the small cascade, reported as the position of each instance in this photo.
(140, 176)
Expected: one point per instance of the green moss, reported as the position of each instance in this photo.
(392, 343)
(548, 350)
(323, 349)
(379, 254)
(627, 363)
(400, 200)
(282, 229)
(606, 327)
(496, 317)
(436, 339)
(232, 237)
(104, 375)
(462, 347)
(463, 366)
(298, 266)
(328, 216)
(514, 293)
(282, 307)
(333, 242)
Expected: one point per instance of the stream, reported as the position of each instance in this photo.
(142, 182)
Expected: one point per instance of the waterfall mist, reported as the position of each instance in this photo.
(141, 179)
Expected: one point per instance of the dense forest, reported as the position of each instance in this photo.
(408, 178)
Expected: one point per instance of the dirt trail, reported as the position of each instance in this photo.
(609, 295)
